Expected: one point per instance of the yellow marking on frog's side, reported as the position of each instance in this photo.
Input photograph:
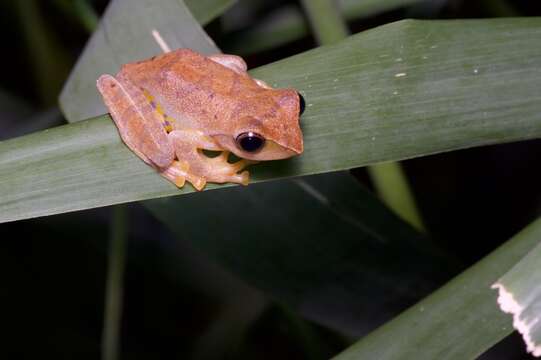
(167, 123)
(165, 119)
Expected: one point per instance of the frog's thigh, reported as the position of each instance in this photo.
(137, 121)
(235, 63)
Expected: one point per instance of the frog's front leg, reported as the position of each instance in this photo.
(198, 168)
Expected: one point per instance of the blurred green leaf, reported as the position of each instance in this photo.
(114, 286)
(392, 186)
(108, 48)
(366, 8)
(406, 89)
(12, 111)
(459, 321)
(80, 11)
(327, 24)
(319, 244)
(277, 28)
(49, 59)
(287, 24)
(18, 118)
(206, 10)
(520, 295)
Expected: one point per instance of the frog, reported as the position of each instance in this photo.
(172, 110)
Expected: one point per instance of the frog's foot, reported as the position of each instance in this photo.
(189, 146)
(224, 171)
(179, 171)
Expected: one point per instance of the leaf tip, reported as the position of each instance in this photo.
(508, 304)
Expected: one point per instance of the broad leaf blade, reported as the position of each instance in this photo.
(407, 89)
(520, 295)
(459, 321)
(108, 48)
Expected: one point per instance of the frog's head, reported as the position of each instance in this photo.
(267, 128)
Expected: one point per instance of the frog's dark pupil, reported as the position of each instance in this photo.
(250, 142)
(302, 104)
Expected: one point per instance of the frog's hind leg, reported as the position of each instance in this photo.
(137, 121)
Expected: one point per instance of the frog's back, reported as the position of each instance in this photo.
(191, 88)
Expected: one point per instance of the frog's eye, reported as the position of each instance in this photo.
(250, 141)
(302, 104)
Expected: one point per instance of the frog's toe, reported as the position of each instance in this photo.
(197, 182)
(179, 172)
(176, 173)
(241, 164)
(180, 181)
(244, 178)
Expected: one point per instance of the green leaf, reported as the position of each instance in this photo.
(80, 11)
(109, 47)
(48, 58)
(317, 243)
(19, 118)
(287, 24)
(406, 89)
(388, 179)
(459, 321)
(368, 8)
(520, 295)
(206, 10)
(327, 24)
(277, 28)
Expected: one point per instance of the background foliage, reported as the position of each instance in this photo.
(295, 268)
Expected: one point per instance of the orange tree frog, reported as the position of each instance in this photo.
(170, 108)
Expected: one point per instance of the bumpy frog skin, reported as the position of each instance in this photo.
(170, 108)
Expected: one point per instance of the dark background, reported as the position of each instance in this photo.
(53, 269)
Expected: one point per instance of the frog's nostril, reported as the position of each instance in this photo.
(302, 104)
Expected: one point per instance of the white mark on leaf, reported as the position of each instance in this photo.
(161, 42)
